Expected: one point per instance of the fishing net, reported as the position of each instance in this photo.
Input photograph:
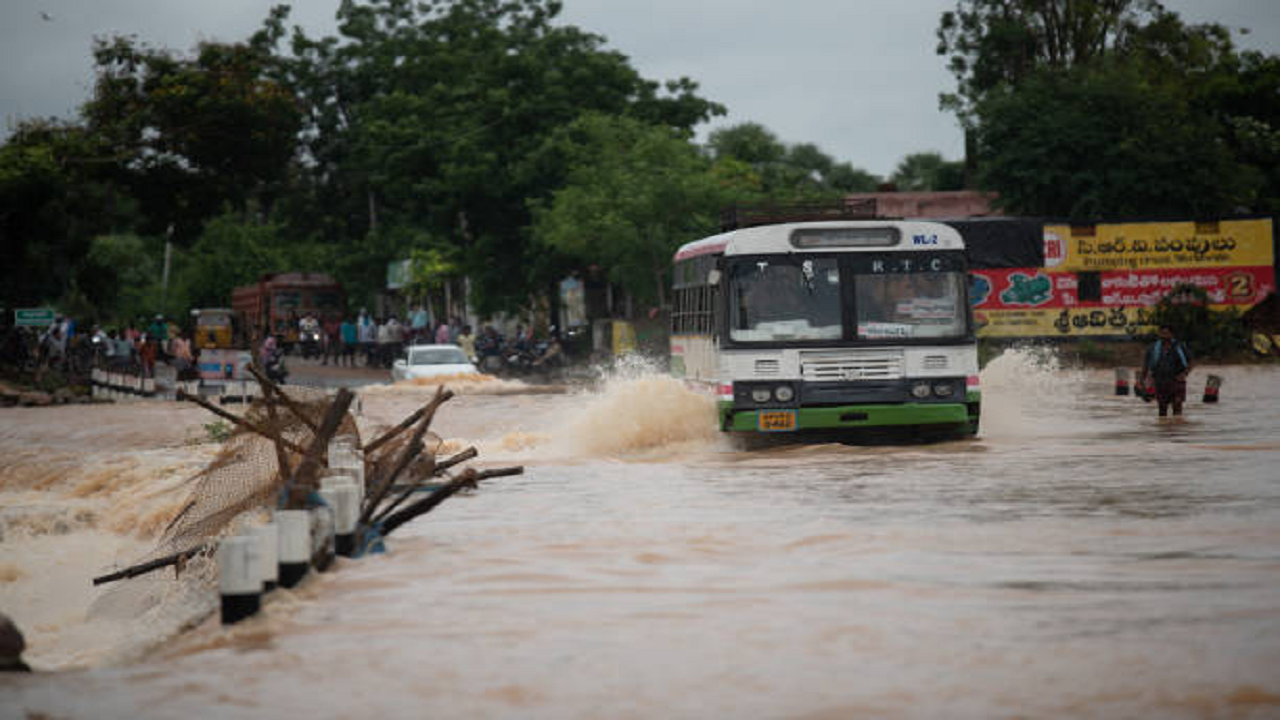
(245, 475)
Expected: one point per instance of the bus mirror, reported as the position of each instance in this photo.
(713, 277)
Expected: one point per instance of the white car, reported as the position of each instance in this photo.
(425, 361)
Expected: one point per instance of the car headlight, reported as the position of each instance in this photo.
(784, 393)
(943, 389)
(760, 394)
(920, 390)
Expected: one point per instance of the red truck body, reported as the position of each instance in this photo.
(277, 301)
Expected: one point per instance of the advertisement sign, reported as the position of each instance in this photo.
(1159, 245)
(1104, 280)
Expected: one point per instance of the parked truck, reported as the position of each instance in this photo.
(276, 303)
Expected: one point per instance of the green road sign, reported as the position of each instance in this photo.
(33, 316)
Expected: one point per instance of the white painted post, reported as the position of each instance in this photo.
(268, 555)
(294, 527)
(239, 584)
(340, 494)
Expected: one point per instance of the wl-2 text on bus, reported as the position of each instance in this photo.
(830, 325)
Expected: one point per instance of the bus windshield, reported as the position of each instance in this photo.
(916, 305)
(779, 299)
(796, 298)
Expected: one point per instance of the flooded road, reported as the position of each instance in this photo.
(1081, 558)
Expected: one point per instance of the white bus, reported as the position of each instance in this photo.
(832, 325)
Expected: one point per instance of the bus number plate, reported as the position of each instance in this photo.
(777, 420)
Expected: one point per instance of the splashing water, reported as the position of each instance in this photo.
(459, 384)
(635, 411)
(1026, 393)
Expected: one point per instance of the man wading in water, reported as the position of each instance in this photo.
(1167, 363)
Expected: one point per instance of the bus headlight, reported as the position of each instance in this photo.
(784, 393)
(920, 390)
(943, 389)
(760, 394)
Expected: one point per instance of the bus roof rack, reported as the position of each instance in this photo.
(736, 216)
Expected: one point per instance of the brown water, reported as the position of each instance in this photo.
(1081, 558)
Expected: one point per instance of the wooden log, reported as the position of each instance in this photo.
(408, 422)
(461, 457)
(282, 457)
(270, 386)
(411, 451)
(468, 478)
(149, 566)
(413, 487)
(304, 479)
(239, 421)
(375, 498)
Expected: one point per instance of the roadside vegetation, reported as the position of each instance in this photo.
(487, 139)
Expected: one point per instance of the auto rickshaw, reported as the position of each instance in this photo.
(214, 328)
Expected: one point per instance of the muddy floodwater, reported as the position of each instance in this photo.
(1079, 559)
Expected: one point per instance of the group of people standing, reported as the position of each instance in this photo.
(344, 340)
(136, 347)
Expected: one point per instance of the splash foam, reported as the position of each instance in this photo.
(1026, 392)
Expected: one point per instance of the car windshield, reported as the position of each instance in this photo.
(437, 356)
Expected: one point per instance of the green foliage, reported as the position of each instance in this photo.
(429, 115)
(218, 431)
(635, 193)
(788, 172)
(129, 268)
(1094, 108)
(1207, 332)
(928, 171)
(231, 252)
(993, 44)
(51, 205)
(190, 134)
(1105, 142)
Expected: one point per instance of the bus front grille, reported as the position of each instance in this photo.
(829, 365)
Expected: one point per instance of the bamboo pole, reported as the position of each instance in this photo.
(468, 478)
(304, 478)
(411, 451)
(409, 421)
(146, 567)
(239, 421)
(268, 384)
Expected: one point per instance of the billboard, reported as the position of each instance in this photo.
(1103, 280)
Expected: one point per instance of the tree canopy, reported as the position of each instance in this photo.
(634, 193)
(1112, 108)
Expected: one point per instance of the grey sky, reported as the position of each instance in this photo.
(857, 77)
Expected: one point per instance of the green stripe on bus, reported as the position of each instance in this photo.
(875, 416)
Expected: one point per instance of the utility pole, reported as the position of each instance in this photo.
(164, 279)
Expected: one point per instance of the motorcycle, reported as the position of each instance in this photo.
(310, 340)
(275, 368)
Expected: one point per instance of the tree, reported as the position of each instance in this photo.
(52, 203)
(1086, 107)
(788, 172)
(928, 171)
(994, 43)
(1104, 142)
(636, 192)
(426, 115)
(188, 135)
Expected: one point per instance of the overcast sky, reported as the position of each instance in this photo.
(857, 77)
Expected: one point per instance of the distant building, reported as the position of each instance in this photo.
(949, 204)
